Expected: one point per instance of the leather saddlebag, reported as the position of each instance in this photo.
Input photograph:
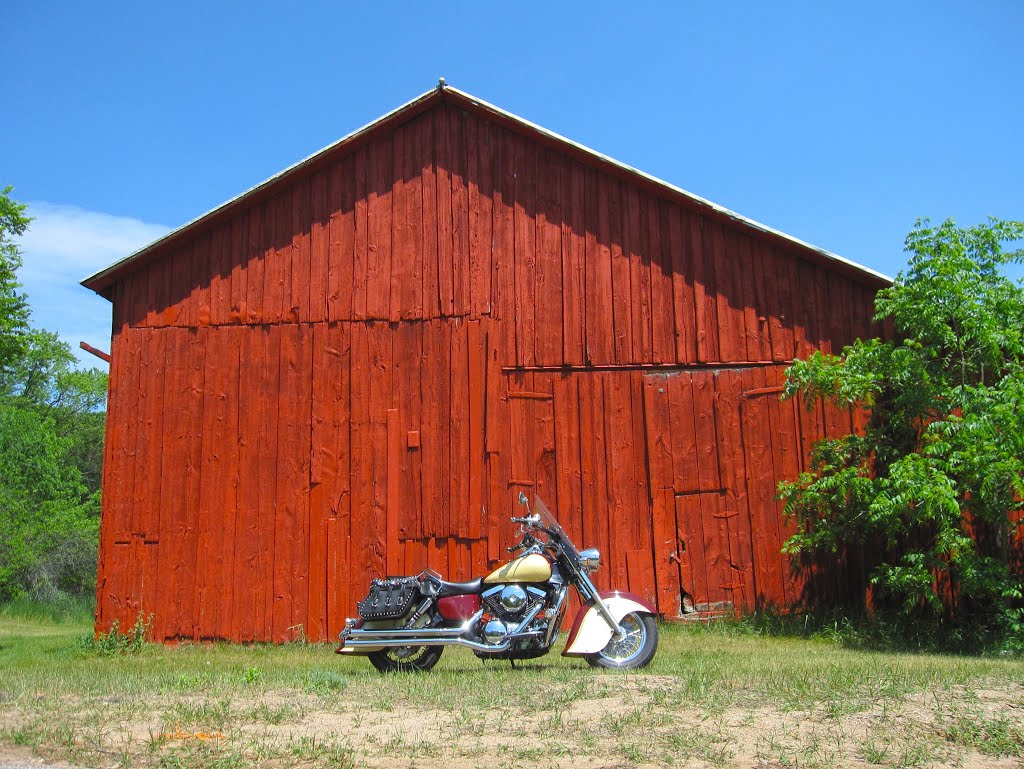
(389, 598)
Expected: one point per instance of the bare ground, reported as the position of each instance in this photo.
(608, 721)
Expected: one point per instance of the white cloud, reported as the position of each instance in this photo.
(63, 245)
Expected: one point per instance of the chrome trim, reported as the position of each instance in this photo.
(406, 634)
(527, 620)
(388, 642)
(590, 560)
(387, 637)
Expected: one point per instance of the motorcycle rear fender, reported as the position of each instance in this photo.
(590, 632)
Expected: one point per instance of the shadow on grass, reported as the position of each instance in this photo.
(878, 632)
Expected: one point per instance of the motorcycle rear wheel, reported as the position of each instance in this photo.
(635, 650)
(405, 659)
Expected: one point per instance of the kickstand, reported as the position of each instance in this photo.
(512, 663)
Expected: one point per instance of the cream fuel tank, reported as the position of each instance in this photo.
(526, 568)
(515, 612)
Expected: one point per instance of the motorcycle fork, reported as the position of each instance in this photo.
(592, 594)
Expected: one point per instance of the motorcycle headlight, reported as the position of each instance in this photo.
(590, 559)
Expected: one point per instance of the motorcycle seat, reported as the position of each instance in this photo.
(460, 588)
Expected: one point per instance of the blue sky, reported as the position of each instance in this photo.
(838, 123)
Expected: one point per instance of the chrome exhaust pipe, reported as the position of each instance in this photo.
(355, 643)
(352, 638)
(410, 632)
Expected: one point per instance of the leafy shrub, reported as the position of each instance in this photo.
(930, 492)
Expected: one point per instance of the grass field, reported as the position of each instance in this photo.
(718, 696)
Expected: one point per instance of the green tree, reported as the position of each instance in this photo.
(931, 488)
(14, 310)
(51, 445)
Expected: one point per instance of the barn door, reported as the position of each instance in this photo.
(701, 553)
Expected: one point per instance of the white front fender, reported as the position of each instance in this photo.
(590, 632)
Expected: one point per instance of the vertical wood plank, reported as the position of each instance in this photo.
(622, 292)
(239, 264)
(393, 500)
(705, 405)
(525, 165)
(381, 398)
(457, 506)
(201, 280)
(573, 265)
(729, 296)
(246, 608)
(266, 370)
(219, 274)
(547, 288)
(782, 287)
(475, 441)
(480, 138)
(705, 287)
(407, 263)
(445, 240)
(255, 266)
(663, 342)
(298, 307)
(228, 502)
(362, 559)
(434, 438)
(286, 509)
(742, 260)
(319, 223)
(409, 362)
(761, 474)
(274, 268)
(694, 547)
(379, 199)
(666, 555)
(568, 496)
(461, 278)
(681, 426)
(783, 427)
(622, 517)
(600, 330)
(737, 571)
(210, 555)
(636, 250)
(430, 224)
(361, 255)
(341, 281)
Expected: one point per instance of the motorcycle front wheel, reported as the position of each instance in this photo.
(635, 649)
(405, 659)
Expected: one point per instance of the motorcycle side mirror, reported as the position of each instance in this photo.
(523, 501)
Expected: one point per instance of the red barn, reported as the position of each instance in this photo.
(353, 368)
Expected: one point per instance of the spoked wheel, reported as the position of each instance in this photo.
(636, 647)
(404, 659)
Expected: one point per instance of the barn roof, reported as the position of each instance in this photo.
(102, 280)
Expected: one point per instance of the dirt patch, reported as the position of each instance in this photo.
(592, 722)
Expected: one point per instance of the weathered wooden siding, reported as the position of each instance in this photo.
(357, 374)
(452, 216)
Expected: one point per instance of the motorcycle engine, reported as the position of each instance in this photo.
(511, 602)
(506, 607)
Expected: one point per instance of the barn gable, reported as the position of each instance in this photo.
(352, 368)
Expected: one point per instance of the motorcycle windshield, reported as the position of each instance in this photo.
(548, 521)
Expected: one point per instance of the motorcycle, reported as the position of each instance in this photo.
(513, 613)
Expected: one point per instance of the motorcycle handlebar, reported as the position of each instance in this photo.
(529, 519)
